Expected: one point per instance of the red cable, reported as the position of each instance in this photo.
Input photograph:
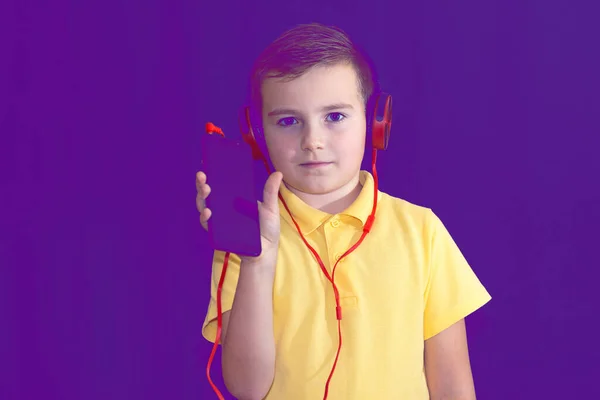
(210, 129)
(338, 308)
(219, 327)
(366, 229)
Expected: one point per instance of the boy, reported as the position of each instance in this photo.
(404, 291)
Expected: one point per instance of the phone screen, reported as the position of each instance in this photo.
(234, 224)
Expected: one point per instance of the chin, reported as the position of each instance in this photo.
(317, 185)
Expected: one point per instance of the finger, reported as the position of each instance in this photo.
(205, 216)
(205, 191)
(271, 191)
(201, 196)
(199, 203)
(200, 179)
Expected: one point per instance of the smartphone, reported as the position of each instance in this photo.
(234, 224)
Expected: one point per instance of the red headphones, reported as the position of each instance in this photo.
(379, 122)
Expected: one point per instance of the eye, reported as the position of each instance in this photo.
(336, 117)
(286, 121)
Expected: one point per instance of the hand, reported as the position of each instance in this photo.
(268, 212)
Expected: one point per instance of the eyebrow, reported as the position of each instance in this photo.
(336, 106)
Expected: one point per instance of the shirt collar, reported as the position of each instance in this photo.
(309, 218)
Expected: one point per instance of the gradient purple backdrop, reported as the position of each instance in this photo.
(104, 268)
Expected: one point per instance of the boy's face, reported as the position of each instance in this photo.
(315, 128)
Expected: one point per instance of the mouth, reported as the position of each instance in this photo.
(315, 164)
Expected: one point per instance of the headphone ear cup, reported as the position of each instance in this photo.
(381, 122)
(247, 130)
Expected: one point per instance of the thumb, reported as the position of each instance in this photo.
(271, 191)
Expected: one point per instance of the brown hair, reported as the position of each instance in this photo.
(306, 46)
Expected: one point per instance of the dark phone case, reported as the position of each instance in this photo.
(234, 224)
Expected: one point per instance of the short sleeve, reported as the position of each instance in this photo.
(209, 327)
(453, 290)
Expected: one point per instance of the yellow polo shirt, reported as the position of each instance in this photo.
(405, 283)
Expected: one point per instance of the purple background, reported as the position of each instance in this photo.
(104, 268)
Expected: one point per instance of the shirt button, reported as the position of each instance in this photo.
(335, 223)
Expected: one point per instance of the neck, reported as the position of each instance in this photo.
(333, 202)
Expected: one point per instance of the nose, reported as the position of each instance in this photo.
(312, 138)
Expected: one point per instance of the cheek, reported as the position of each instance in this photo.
(353, 142)
(351, 150)
(280, 149)
(356, 148)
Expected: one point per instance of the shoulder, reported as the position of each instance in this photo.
(399, 211)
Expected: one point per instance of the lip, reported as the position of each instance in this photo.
(315, 164)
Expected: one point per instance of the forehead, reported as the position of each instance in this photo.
(319, 86)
